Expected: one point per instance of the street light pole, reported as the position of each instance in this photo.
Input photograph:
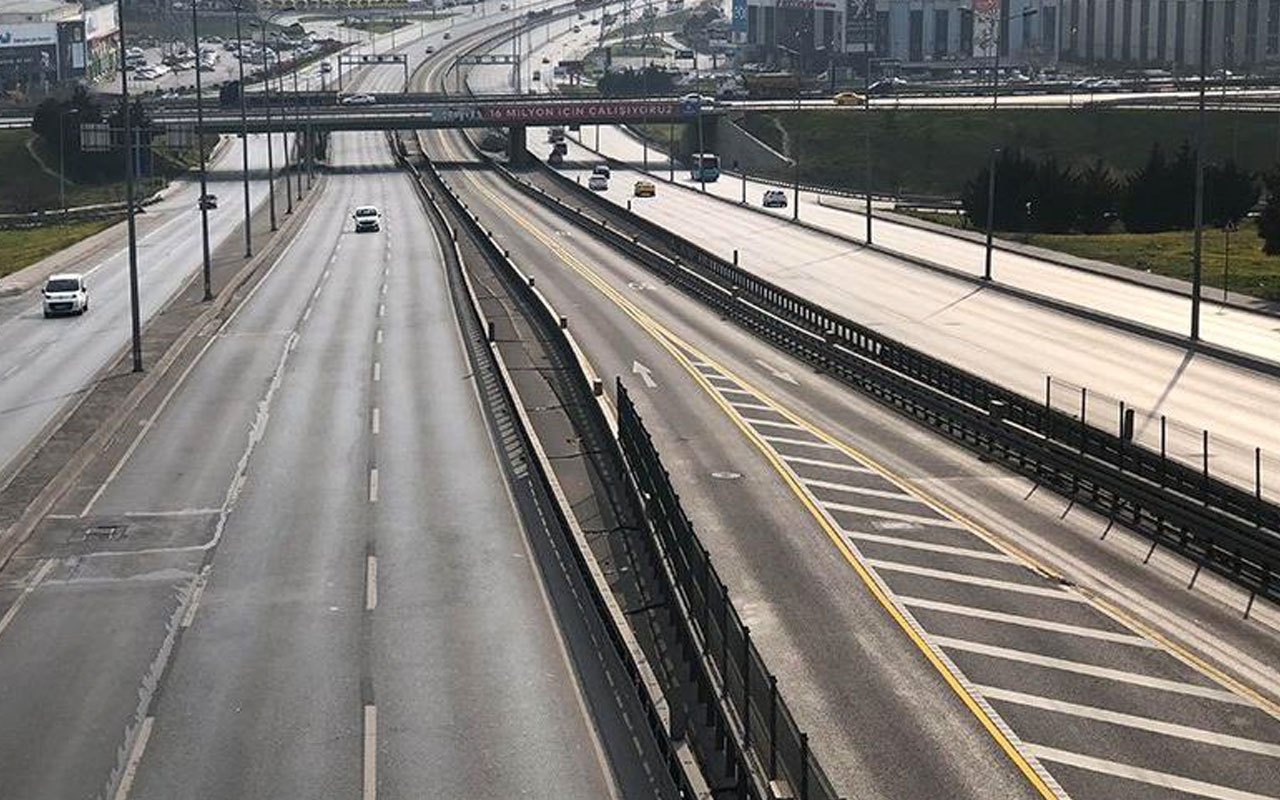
(297, 120)
(244, 132)
(991, 210)
(866, 136)
(266, 96)
(284, 140)
(207, 270)
(135, 310)
(1198, 242)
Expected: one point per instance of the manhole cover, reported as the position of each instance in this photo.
(104, 533)
(726, 476)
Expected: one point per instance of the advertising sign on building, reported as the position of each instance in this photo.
(821, 5)
(860, 26)
(29, 34)
(739, 15)
(100, 22)
(986, 15)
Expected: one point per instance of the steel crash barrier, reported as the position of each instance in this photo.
(767, 727)
(1217, 525)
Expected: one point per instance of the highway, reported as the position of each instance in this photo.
(1000, 337)
(307, 569)
(896, 585)
(45, 364)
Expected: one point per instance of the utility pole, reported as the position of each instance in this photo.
(204, 177)
(135, 310)
(266, 96)
(991, 210)
(244, 132)
(1198, 243)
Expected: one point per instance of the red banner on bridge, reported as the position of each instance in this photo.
(586, 111)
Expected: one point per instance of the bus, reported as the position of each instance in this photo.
(704, 167)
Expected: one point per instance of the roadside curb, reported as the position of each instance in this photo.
(13, 538)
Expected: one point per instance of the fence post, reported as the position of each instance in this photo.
(773, 727)
(804, 766)
(1257, 475)
(1163, 445)
(1204, 452)
(1084, 406)
(746, 687)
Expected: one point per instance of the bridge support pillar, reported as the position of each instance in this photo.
(517, 151)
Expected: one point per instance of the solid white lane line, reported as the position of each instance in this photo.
(373, 485)
(915, 544)
(370, 752)
(371, 583)
(376, 423)
(21, 600)
(377, 371)
(802, 442)
(1133, 721)
(1164, 780)
(1027, 622)
(844, 487)
(817, 462)
(135, 758)
(197, 592)
(989, 583)
(1120, 676)
(937, 522)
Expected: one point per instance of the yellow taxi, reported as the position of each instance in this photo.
(645, 189)
(848, 99)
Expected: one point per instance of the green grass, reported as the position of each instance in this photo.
(934, 152)
(25, 246)
(1251, 271)
(25, 187)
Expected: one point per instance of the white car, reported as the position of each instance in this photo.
(358, 100)
(597, 183)
(65, 294)
(368, 218)
(774, 198)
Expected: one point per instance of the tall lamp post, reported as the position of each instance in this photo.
(266, 96)
(207, 270)
(237, 6)
(62, 161)
(1198, 241)
(135, 310)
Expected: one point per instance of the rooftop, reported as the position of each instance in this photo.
(32, 7)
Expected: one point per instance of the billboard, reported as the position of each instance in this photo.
(860, 26)
(986, 16)
(583, 111)
(739, 20)
(100, 22)
(29, 34)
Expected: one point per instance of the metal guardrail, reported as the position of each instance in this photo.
(1215, 524)
(767, 726)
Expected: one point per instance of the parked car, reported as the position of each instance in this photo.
(65, 293)
(645, 189)
(597, 183)
(774, 198)
(368, 218)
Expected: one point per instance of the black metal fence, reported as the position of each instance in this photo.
(766, 726)
(1217, 524)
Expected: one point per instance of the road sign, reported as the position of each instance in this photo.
(379, 58)
(95, 137)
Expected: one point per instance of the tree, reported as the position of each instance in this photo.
(1015, 194)
(1055, 190)
(1229, 193)
(1097, 191)
(1159, 196)
(57, 122)
(1269, 219)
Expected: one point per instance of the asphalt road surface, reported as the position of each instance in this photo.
(306, 576)
(881, 569)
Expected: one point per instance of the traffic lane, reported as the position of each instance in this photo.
(48, 361)
(831, 647)
(1147, 682)
(983, 332)
(459, 606)
(1238, 329)
(273, 662)
(65, 709)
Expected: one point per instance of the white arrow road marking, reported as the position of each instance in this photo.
(645, 374)
(781, 375)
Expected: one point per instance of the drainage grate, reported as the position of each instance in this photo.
(104, 533)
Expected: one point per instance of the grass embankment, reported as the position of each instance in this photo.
(934, 152)
(25, 246)
(1249, 270)
(376, 26)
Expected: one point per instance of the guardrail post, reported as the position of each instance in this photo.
(564, 322)
(1084, 406)
(597, 388)
(1257, 474)
(1204, 452)
(1164, 437)
(735, 256)
(490, 331)
(530, 281)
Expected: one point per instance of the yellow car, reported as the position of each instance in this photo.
(848, 99)
(645, 189)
